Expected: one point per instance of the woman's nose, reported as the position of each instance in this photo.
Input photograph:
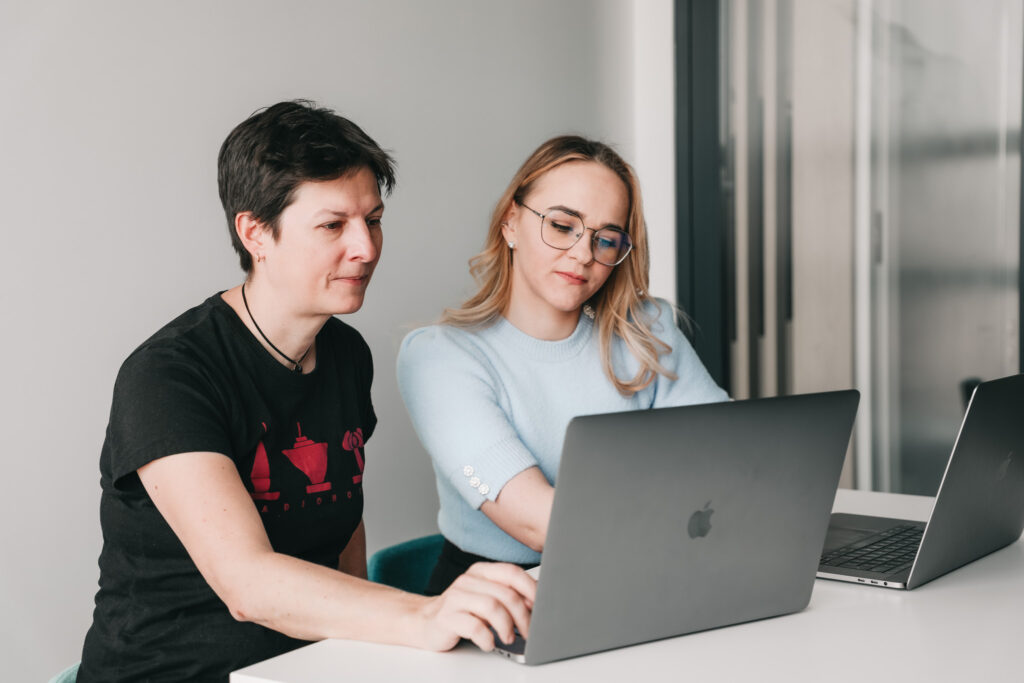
(583, 250)
(361, 245)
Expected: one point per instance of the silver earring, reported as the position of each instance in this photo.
(589, 311)
(511, 245)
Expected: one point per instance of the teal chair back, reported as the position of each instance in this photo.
(406, 565)
(68, 675)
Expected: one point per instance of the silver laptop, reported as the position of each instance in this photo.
(979, 507)
(677, 520)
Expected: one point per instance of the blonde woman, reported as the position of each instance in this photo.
(561, 326)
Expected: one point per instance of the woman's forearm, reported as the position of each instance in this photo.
(523, 508)
(312, 602)
(205, 503)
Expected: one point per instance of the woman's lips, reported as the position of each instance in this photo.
(571, 278)
(354, 280)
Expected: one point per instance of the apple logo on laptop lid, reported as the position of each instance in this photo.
(700, 521)
(1004, 467)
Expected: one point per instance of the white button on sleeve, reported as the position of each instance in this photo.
(468, 470)
(484, 489)
(474, 482)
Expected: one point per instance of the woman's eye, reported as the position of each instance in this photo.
(374, 222)
(560, 227)
(605, 243)
(333, 225)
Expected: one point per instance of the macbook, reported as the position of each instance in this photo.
(979, 507)
(675, 520)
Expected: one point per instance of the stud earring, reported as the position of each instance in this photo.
(511, 245)
(588, 311)
(260, 258)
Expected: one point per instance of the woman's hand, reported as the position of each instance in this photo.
(488, 594)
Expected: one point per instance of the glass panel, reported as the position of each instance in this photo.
(946, 84)
(871, 161)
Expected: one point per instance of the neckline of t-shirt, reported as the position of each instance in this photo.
(543, 349)
(259, 352)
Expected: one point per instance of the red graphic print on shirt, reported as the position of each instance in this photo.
(311, 458)
(261, 474)
(353, 441)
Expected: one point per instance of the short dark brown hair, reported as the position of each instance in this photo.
(266, 157)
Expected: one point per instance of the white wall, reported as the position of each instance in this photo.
(111, 118)
(654, 143)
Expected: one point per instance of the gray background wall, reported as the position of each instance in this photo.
(111, 118)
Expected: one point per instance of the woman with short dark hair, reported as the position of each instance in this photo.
(232, 465)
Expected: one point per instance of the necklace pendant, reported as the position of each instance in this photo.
(298, 368)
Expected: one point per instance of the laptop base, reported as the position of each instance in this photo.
(864, 536)
(882, 582)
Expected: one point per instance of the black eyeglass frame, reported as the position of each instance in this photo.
(593, 238)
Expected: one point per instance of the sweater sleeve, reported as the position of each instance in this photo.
(693, 384)
(456, 404)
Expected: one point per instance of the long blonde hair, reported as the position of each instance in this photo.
(618, 305)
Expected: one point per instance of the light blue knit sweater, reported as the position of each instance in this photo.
(489, 403)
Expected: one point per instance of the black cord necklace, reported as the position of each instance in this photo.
(296, 363)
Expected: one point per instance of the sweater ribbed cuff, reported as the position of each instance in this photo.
(487, 473)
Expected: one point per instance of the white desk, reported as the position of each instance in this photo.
(965, 626)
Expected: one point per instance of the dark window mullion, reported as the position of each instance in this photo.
(700, 257)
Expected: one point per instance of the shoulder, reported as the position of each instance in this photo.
(185, 342)
(431, 353)
(340, 334)
(158, 367)
(181, 364)
(195, 322)
(663, 319)
(435, 341)
(661, 310)
(349, 353)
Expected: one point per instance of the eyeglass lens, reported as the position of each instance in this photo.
(562, 230)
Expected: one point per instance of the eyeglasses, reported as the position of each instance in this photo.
(561, 230)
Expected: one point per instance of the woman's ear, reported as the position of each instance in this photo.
(253, 234)
(508, 224)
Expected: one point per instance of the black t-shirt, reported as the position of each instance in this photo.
(204, 383)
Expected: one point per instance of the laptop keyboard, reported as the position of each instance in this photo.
(516, 647)
(889, 551)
